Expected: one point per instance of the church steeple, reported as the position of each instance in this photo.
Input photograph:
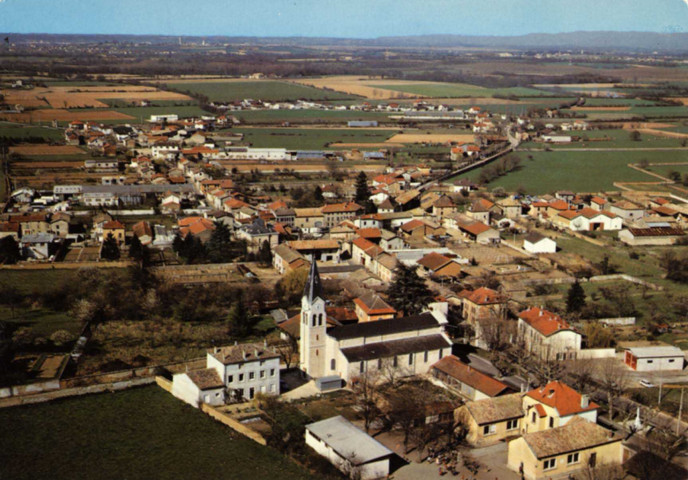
(313, 288)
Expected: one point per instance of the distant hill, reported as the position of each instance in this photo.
(591, 41)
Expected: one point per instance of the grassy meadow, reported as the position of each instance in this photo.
(266, 90)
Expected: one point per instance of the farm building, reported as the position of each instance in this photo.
(351, 450)
(652, 359)
(537, 243)
(650, 236)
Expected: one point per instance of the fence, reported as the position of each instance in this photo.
(596, 353)
(233, 424)
(616, 321)
(72, 392)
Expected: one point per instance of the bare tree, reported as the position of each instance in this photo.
(406, 408)
(288, 351)
(603, 471)
(582, 373)
(366, 390)
(391, 370)
(614, 379)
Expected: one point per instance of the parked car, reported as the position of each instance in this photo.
(646, 383)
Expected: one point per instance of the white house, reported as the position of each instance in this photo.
(351, 450)
(547, 335)
(588, 219)
(232, 373)
(537, 243)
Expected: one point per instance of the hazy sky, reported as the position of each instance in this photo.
(340, 18)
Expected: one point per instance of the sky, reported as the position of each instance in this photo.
(340, 18)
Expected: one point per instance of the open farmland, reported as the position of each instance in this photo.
(432, 138)
(267, 90)
(306, 116)
(49, 114)
(547, 172)
(135, 434)
(424, 89)
(45, 150)
(612, 138)
(141, 114)
(20, 132)
(309, 139)
(80, 96)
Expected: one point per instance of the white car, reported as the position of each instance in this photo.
(646, 383)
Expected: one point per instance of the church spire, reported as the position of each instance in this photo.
(313, 284)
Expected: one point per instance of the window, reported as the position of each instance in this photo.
(512, 424)
(532, 418)
(410, 359)
(425, 356)
(362, 367)
(262, 374)
(241, 377)
(379, 363)
(272, 387)
(320, 318)
(650, 361)
(332, 364)
(394, 362)
(251, 375)
(489, 430)
(572, 458)
(671, 360)
(441, 353)
(550, 464)
(551, 422)
(230, 378)
(272, 372)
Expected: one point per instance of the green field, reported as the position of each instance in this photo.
(306, 116)
(309, 139)
(13, 130)
(578, 171)
(639, 111)
(616, 139)
(260, 90)
(442, 90)
(665, 170)
(42, 321)
(27, 281)
(118, 103)
(142, 433)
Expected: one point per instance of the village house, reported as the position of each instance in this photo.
(547, 336)
(335, 213)
(588, 219)
(310, 220)
(319, 250)
(370, 307)
(466, 380)
(578, 445)
(39, 246)
(554, 405)
(664, 235)
(479, 232)
(116, 228)
(482, 304)
(628, 211)
(232, 373)
(481, 210)
(285, 259)
(438, 265)
(491, 420)
(256, 234)
(510, 207)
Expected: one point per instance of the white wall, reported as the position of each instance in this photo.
(369, 471)
(657, 364)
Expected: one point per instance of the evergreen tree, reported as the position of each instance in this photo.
(575, 301)
(318, 194)
(219, 246)
(178, 244)
(136, 249)
(239, 320)
(265, 253)
(110, 250)
(362, 191)
(408, 292)
(9, 250)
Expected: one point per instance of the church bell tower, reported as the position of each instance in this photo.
(313, 326)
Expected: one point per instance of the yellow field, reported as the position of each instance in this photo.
(602, 109)
(85, 96)
(357, 85)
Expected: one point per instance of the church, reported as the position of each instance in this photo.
(407, 345)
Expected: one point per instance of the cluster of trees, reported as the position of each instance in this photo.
(304, 198)
(500, 168)
(220, 247)
(363, 193)
(9, 251)
(676, 267)
(408, 293)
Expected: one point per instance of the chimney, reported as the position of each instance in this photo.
(236, 343)
(265, 343)
(243, 354)
(551, 393)
(585, 401)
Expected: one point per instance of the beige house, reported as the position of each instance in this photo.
(564, 450)
(491, 420)
(547, 335)
(308, 218)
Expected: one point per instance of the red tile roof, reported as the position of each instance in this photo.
(475, 228)
(455, 368)
(411, 225)
(563, 398)
(113, 224)
(483, 296)
(348, 207)
(434, 261)
(544, 321)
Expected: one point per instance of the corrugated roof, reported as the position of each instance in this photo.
(348, 441)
